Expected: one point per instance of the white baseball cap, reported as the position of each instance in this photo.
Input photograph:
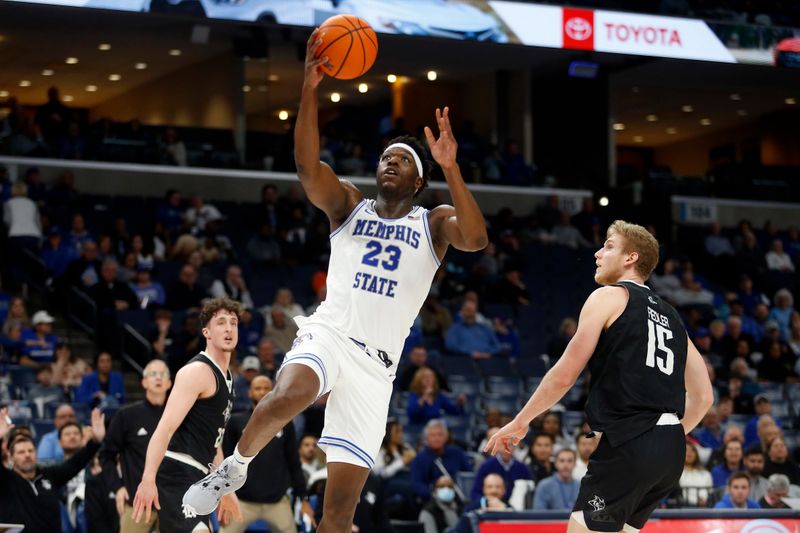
(250, 362)
(42, 317)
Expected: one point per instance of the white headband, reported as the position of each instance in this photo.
(410, 150)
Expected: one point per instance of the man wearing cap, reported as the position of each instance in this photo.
(149, 293)
(762, 407)
(40, 343)
(249, 368)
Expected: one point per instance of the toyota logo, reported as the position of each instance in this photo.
(578, 29)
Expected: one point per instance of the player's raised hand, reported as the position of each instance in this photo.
(445, 147)
(5, 423)
(98, 425)
(313, 72)
(229, 509)
(507, 438)
(146, 497)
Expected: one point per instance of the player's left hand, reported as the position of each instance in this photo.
(98, 425)
(445, 147)
(229, 508)
(507, 438)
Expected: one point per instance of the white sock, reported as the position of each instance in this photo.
(242, 461)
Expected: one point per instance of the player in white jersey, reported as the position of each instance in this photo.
(384, 254)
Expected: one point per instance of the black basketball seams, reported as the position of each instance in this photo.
(351, 24)
(346, 54)
(367, 33)
(363, 54)
(321, 52)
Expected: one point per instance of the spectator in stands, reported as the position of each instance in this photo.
(559, 491)
(12, 344)
(777, 489)
(754, 467)
(312, 459)
(73, 146)
(170, 212)
(56, 254)
(49, 449)
(778, 361)
(44, 391)
(426, 401)
(40, 343)
(78, 235)
(736, 497)
(52, 117)
(68, 370)
(551, 425)
(504, 465)
(558, 344)
(354, 164)
(777, 259)
(691, 292)
(732, 338)
(696, 482)
(742, 400)
(511, 289)
(732, 462)
(249, 368)
(782, 311)
(779, 462)
(265, 352)
(750, 259)
(441, 511)
(418, 358)
(110, 295)
(70, 438)
(188, 341)
(185, 293)
(436, 318)
(565, 234)
(284, 300)
(278, 461)
(161, 337)
(269, 211)
(436, 459)
(468, 337)
(17, 315)
(27, 141)
(126, 271)
(395, 454)
(539, 460)
(281, 331)
(172, 150)
(263, 248)
(709, 435)
(30, 494)
(666, 283)
(733, 432)
(199, 214)
(585, 447)
(748, 295)
(718, 245)
(84, 272)
(21, 217)
(233, 286)
(104, 386)
(149, 293)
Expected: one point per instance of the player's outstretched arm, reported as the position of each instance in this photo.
(699, 394)
(461, 225)
(190, 382)
(321, 185)
(601, 308)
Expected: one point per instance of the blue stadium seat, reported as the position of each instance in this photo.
(40, 426)
(21, 376)
(531, 366)
(454, 365)
(496, 366)
(467, 387)
(413, 434)
(465, 481)
(504, 385)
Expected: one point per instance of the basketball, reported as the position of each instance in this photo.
(350, 45)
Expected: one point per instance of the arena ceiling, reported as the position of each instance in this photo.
(647, 95)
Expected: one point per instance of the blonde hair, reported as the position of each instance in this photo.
(637, 239)
(416, 383)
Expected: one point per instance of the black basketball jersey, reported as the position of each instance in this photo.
(637, 369)
(202, 430)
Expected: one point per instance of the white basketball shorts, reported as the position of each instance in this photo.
(360, 387)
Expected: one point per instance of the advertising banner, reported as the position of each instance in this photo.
(502, 21)
(741, 525)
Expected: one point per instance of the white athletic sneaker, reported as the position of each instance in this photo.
(203, 497)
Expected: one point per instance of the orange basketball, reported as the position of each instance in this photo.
(350, 44)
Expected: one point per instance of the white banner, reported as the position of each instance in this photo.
(612, 31)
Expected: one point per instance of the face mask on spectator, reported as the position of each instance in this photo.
(445, 494)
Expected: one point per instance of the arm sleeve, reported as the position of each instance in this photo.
(450, 407)
(84, 392)
(414, 409)
(298, 481)
(112, 447)
(466, 463)
(540, 498)
(494, 344)
(452, 340)
(61, 474)
(418, 481)
(117, 388)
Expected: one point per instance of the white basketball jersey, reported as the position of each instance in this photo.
(379, 275)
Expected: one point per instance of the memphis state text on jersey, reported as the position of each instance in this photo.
(384, 232)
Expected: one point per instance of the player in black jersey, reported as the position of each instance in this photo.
(649, 387)
(190, 432)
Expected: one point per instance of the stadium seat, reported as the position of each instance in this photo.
(531, 366)
(455, 365)
(465, 481)
(503, 385)
(40, 426)
(496, 366)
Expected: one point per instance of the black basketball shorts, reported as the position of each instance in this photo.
(623, 485)
(173, 479)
